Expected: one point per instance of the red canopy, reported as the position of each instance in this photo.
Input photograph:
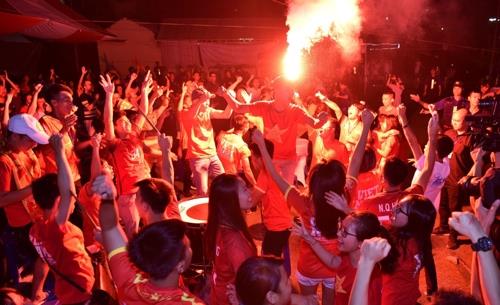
(47, 19)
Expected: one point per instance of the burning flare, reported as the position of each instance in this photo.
(311, 20)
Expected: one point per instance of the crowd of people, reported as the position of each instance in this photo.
(92, 175)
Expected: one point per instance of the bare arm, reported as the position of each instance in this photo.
(430, 154)
(80, 81)
(6, 110)
(332, 105)
(112, 233)
(144, 106)
(128, 90)
(95, 165)
(359, 150)
(221, 114)
(233, 86)
(233, 103)
(11, 197)
(247, 170)
(64, 180)
(258, 138)
(13, 85)
(416, 98)
(34, 103)
(109, 88)
(408, 132)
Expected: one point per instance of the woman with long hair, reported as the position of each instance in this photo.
(319, 215)
(351, 233)
(412, 222)
(227, 239)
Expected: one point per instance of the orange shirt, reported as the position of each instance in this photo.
(62, 247)
(90, 204)
(231, 151)
(275, 211)
(134, 288)
(129, 164)
(281, 127)
(328, 150)
(309, 264)
(26, 165)
(200, 134)
(52, 125)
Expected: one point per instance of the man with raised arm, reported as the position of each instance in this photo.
(146, 269)
(126, 148)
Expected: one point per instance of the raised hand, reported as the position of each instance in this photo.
(367, 117)
(147, 84)
(56, 141)
(103, 186)
(38, 88)
(375, 249)
(320, 95)
(467, 224)
(84, 70)
(402, 114)
(165, 142)
(96, 140)
(107, 84)
(300, 230)
(433, 126)
(337, 201)
(486, 216)
(415, 97)
(133, 76)
(239, 78)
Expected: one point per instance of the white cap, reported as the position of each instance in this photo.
(28, 125)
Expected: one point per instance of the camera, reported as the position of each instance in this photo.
(485, 129)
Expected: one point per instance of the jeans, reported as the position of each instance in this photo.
(203, 168)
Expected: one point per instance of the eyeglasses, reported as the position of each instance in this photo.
(342, 231)
(399, 209)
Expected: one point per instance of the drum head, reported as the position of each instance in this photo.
(194, 211)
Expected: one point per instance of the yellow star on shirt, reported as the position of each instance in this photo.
(338, 284)
(274, 134)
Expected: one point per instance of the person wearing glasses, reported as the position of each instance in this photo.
(351, 232)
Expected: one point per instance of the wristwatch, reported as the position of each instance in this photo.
(483, 244)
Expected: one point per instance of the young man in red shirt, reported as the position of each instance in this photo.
(147, 269)
(126, 149)
(58, 242)
(201, 151)
(281, 119)
(18, 168)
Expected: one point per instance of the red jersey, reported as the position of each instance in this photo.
(134, 288)
(344, 280)
(281, 127)
(368, 186)
(129, 164)
(309, 264)
(328, 150)
(27, 168)
(232, 150)
(275, 211)
(199, 132)
(401, 287)
(382, 203)
(61, 246)
(90, 204)
(231, 250)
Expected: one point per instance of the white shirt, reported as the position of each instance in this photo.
(436, 182)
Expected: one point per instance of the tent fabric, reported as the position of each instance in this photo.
(213, 54)
(49, 20)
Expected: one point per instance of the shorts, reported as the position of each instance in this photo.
(307, 281)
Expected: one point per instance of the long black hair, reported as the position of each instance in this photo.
(325, 177)
(224, 210)
(421, 217)
(367, 226)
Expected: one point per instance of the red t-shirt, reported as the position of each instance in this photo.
(232, 150)
(134, 288)
(368, 186)
(401, 287)
(345, 279)
(90, 204)
(328, 150)
(281, 127)
(382, 203)
(275, 211)
(61, 246)
(200, 134)
(129, 164)
(28, 169)
(231, 250)
(309, 264)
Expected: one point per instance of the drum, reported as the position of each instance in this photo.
(194, 213)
